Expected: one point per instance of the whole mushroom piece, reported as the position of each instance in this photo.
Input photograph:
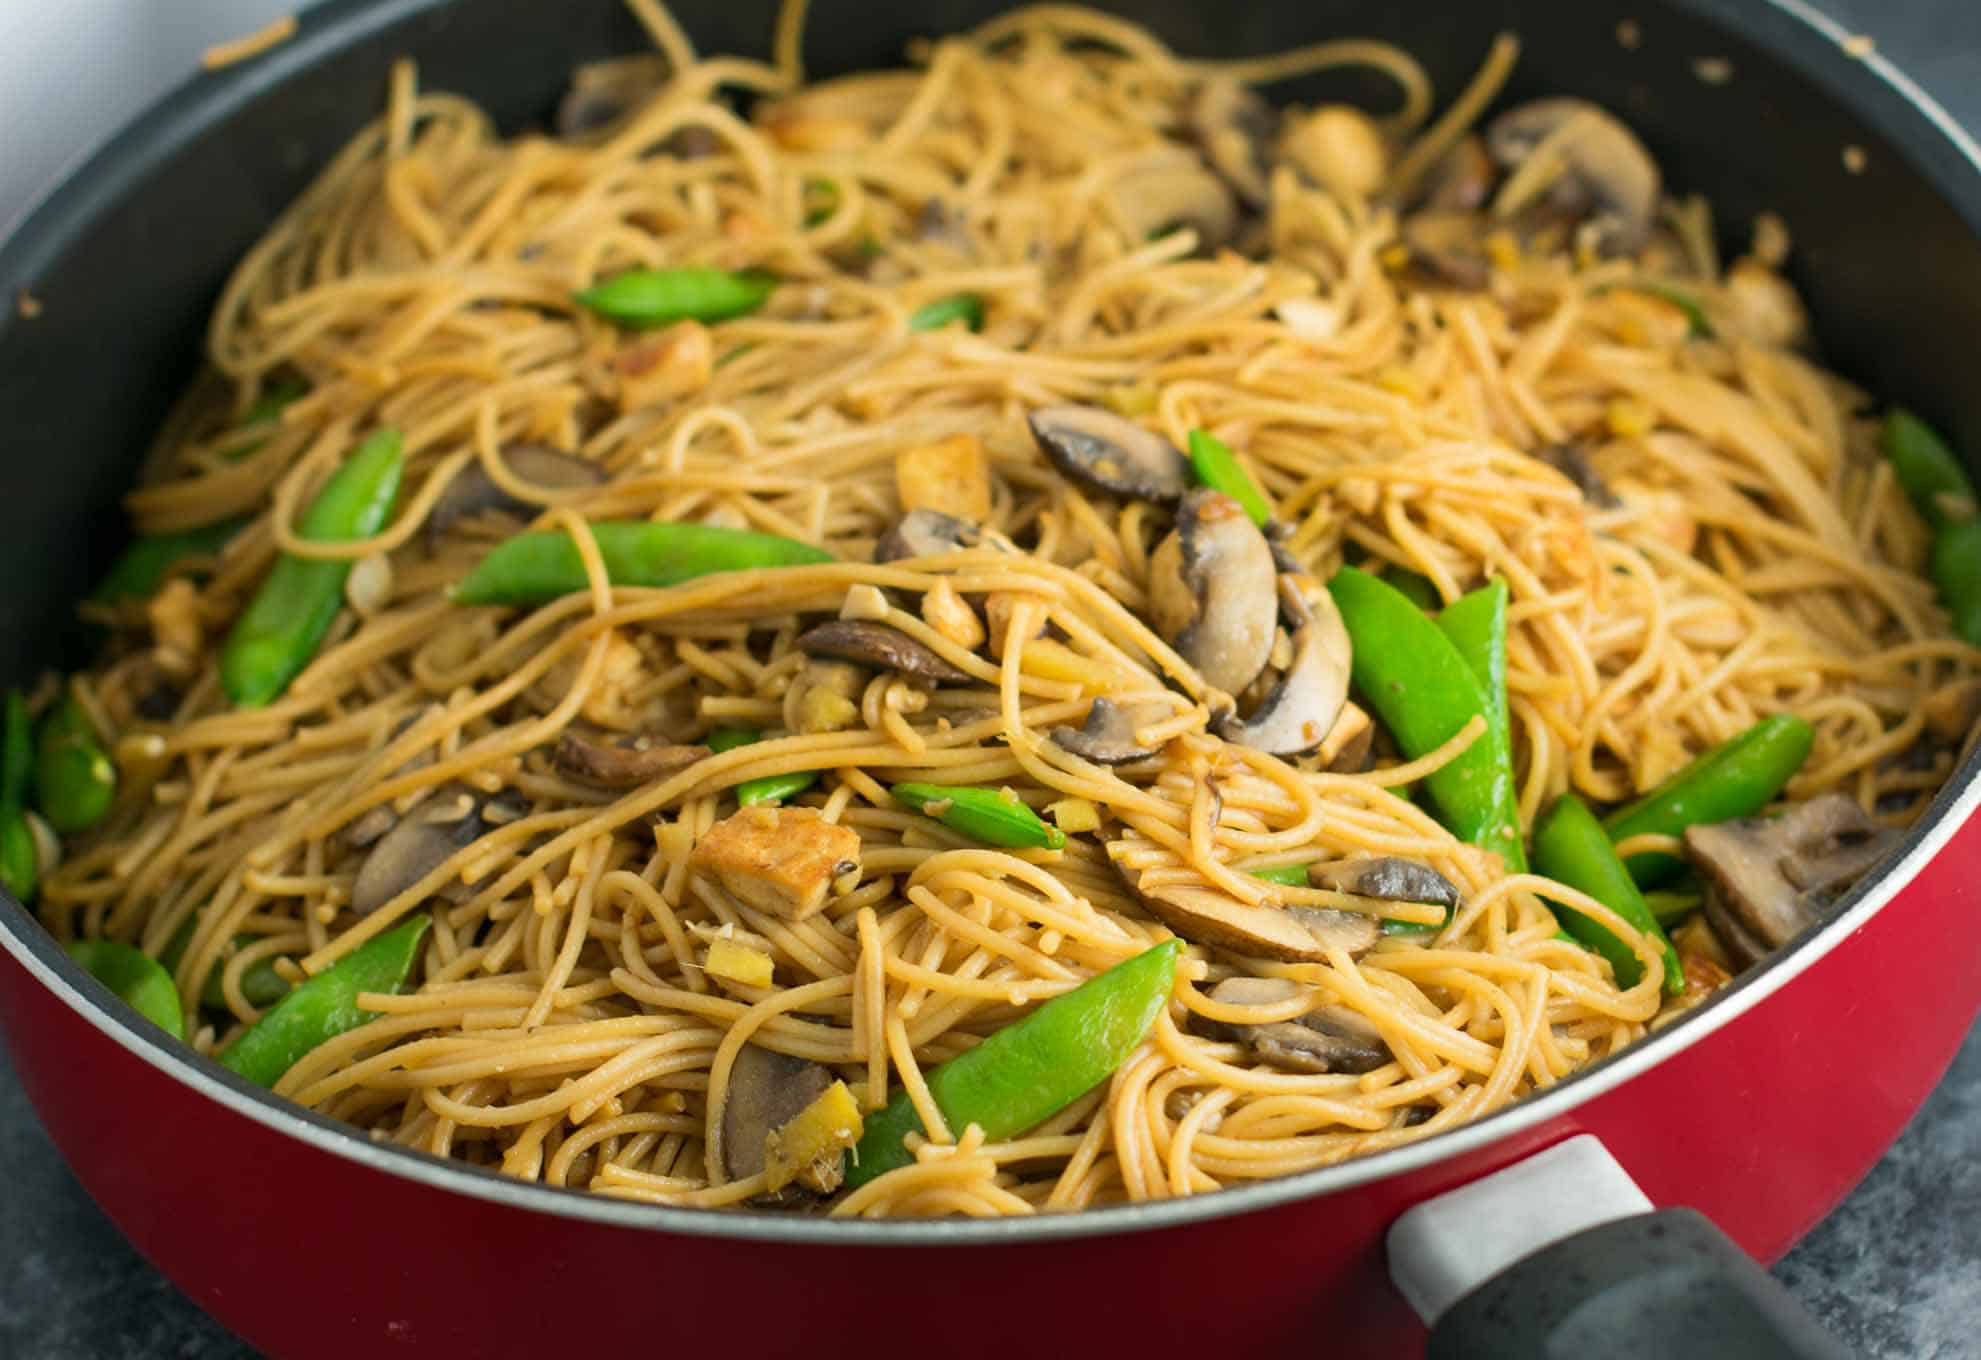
(1603, 175)
(1111, 454)
(1211, 591)
(1235, 128)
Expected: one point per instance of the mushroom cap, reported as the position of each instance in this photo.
(451, 817)
(1606, 174)
(1171, 189)
(474, 492)
(927, 533)
(1326, 1039)
(1235, 128)
(1390, 877)
(866, 643)
(624, 764)
(766, 1091)
(1211, 591)
(1111, 453)
(1293, 934)
(1300, 709)
(1461, 180)
(1106, 737)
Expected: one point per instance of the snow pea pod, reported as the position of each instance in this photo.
(1930, 473)
(20, 870)
(769, 788)
(74, 779)
(260, 983)
(537, 567)
(1029, 1071)
(1415, 586)
(137, 574)
(278, 633)
(1425, 692)
(1476, 625)
(646, 298)
(139, 981)
(1956, 570)
(995, 817)
(1217, 467)
(1737, 778)
(325, 1006)
(965, 307)
(1571, 847)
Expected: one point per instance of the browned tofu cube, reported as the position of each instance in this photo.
(779, 860)
(951, 475)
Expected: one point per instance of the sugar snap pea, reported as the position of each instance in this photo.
(278, 632)
(537, 567)
(1737, 778)
(1425, 691)
(325, 1006)
(995, 817)
(1217, 467)
(1029, 1071)
(1956, 571)
(19, 861)
(1668, 907)
(1286, 875)
(260, 983)
(1476, 625)
(1928, 471)
(74, 779)
(770, 788)
(1570, 846)
(1413, 586)
(139, 981)
(137, 574)
(647, 298)
(965, 307)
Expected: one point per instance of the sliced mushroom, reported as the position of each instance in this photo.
(1447, 248)
(375, 822)
(1769, 879)
(1389, 877)
(1460, 181)
(623, 764)
(1339, 148)
(866, 643)
(1211, 591)
(1606, 177)
(474, 492)
(1292, 934)
(1326, 1039)
(603, 93)
(1175, 191)
(766, 1091)
(1235, 128)
(1571, 460)
(926, 533)
(1300, 710)
(1107, 737)
(451, 817)
(1111, 453)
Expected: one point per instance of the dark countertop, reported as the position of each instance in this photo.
(1895, 1272)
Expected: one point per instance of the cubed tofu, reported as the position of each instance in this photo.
(951, 475)
(779, 860)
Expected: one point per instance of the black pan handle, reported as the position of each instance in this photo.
(1561, 1257)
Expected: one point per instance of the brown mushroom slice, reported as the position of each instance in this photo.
(1300, 710)
(1235, 128)
(766, 1091)
(1461, 180)
(451, 817)
(1447, 248)
(623, 764)
(1326, 1039)
(1571, 460)
(474, 492)
(1211, 592)
(926, 533)
(603, 93)
(1106, 737)
(1389, 877)
(1606, 175)
(866, 643)
(1769, 879)
(1291, 934)
(1173, 192)
(1111, 453)
(375, 822)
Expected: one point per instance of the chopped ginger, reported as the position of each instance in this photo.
(1074, 815)
(944, 610)
(738, 963)
(811, 1149)
(820, 710)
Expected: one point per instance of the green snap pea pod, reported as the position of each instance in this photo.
(1668, 907)
(325, 1006)
(260, 983)
(646, 298)
(769, 788)
(965, 307)
(74, 779)
(20, 869)
(1029, 1071)
(1930, 473)
(1571, 847)
(821, 201)
(1287, 875)
(987, 815)
(139, 981)
(1476, 625)
(538, 567)
(142, 568)
(1425, 692)
(1956, 570)
(277, 634)
(1737, 778)
(1217, 467)
(1697, 327)
(1413, 586)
